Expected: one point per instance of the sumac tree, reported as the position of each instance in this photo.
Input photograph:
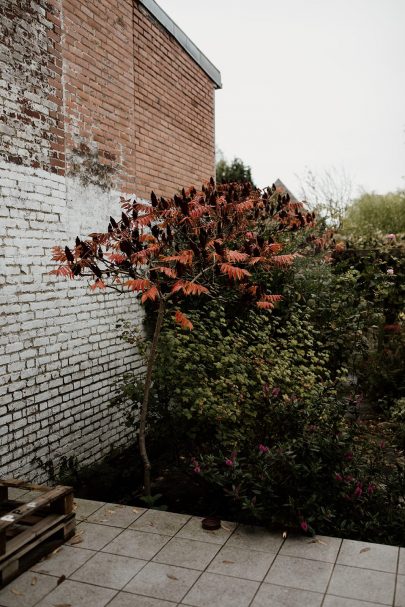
(190, 245)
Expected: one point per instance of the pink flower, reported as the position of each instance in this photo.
(349, 455)
(390, 271)
(382, 444)
(229, 462)
(263, 449)
(370, 488)
(390, 236)
(358, 491)
(304, 525)
(275, 392)
(338, 477)
(197, 469)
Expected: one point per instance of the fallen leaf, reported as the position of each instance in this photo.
(316, 541)
(284, 534)
(110, 511)
(228, 562)
(62, 605)
(76, 539)
(135, 510)
(61, 579)
(34, 581)
(364, 550)
(16, 592)
(171, 577)
(225, 528)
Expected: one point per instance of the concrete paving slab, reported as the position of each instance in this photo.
(163, 581)
(256, 538)
(212, 590)
(93, 537)
(108, 570)
(270, 595)
(362, 584)
(303, 574)
(192, 530)
(137, 544)
(187, 553)
(116, 515)
(401, 564)
(84, 508)
(319, 548)
(241, 563)
(27, 590)
(400, 592)
(368, 556)
(161, 559)
(125, 599)
(165, 523)
(77, 594)
(64, 561)
(337, 601)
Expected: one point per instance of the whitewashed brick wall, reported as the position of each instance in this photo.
(60, 352)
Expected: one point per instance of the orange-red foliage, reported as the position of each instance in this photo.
(185, 245)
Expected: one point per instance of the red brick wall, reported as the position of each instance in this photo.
(31, 119)
(174, 112)
(139, 110)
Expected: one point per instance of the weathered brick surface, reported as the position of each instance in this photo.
(96, 100)
(31, 120)
(59, 349)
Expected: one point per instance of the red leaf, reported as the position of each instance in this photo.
(247, 205)
(178, 286)
(283, 260)
(265, 305)
(138, 284)
(99, 284)
(152, 294)
(116, 257)
(184, 257)
(167, 271)
(233, 272)
(62, 271)
(236, 256)
(183, 321)
(145, 219)
(272, 298)
(274, 247)
(189, 288)
(58, 254)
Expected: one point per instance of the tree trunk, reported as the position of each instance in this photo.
(146, 393)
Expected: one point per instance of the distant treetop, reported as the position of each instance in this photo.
(236, 171)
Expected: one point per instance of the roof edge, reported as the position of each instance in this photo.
(184, 41)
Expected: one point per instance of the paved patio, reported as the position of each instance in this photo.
(130, 557)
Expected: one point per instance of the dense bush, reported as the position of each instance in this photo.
(267, 406)
(375, 212)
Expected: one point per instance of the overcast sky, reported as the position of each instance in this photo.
(307, 84)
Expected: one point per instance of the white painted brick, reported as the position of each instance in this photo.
(64, 335)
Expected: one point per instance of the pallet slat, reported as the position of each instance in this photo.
(30, 530)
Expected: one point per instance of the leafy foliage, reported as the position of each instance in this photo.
(376, 212)
(234, 172)
(193, 244)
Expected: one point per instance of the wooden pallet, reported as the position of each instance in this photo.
(30, 530)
